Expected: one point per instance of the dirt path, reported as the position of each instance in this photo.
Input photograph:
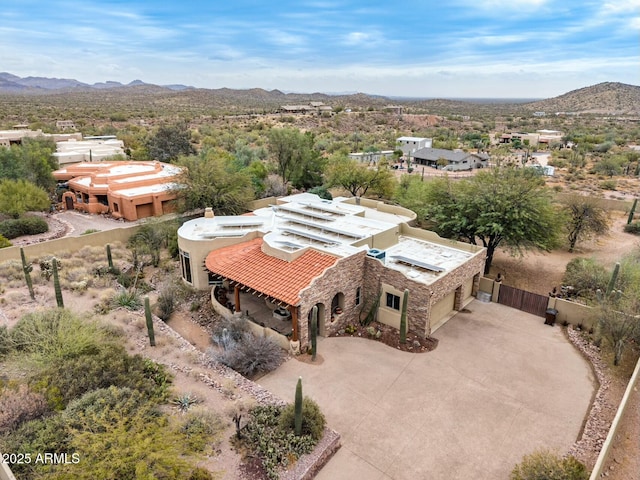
(541, 272)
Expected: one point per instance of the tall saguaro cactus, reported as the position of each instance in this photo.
(56, 283)
(403, 317)
(614, 278)
(27, 269)
(314, 332)
(109, 258)
(298, 408)
(147, 316)
(633, 211)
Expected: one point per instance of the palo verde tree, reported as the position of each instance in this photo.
(504, 206)
(584, 218)
(294, 156)
(214, 179)
(359, 179)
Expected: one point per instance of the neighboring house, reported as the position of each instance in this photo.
(127, 190)
(372, 157)
(455, 159)
(347, 259)
(15, 137)
(65, 124)
(409, 145)
(534, 139)
(311, 107)
(91, 149)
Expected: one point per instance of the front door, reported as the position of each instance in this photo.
(68, 203)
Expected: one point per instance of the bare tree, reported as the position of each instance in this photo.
(585, 219)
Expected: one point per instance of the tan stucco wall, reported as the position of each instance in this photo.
(199, 249)
(50, 247)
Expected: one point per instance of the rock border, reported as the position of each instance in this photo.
(603, 410)
(308, 465)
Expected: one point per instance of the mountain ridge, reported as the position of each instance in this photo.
(604, 98)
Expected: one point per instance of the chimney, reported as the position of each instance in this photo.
(208, 212)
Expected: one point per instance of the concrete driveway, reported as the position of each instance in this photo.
(499, 385)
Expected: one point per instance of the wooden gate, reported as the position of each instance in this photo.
(522, 300)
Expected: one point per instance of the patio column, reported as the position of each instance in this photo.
(294, 322)
(236, 298)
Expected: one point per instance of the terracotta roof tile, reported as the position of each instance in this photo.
(247, 264)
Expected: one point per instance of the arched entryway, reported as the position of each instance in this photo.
(322, 327)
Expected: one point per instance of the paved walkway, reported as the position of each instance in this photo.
(499, 385)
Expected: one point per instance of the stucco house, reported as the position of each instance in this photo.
(348, 259)
(410, 145)
(127, 190)
(455, 159)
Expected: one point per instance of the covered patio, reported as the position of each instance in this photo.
(264, 287)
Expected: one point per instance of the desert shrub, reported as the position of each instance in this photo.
(228, 330)
(48, 434)
(276, 447)
(128, 299)
(108, 404)
(200, 473)
(166, 303)
(545, 465)
(609, 184)
(5, 341)
(55, 334)
(201, 428)
(14, 228)
(4, 242)
(251, 355)
(18, 406)
(65, 381)
(586, 276)
(313, 421)
(138, 444)
(322, 192)
(633, 228)
(89, 231)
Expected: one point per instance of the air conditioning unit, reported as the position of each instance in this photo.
(376, 253)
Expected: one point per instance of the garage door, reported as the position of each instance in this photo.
(441, 309)
(145, 210)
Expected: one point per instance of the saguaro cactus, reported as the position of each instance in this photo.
(614, 278)
(298, 408)
(56, 283)
(314, 332)
(147, 315)
(633, 211)
(27, 269)
(403, 317)
(109, 258)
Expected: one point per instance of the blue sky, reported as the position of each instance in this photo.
(450, 48)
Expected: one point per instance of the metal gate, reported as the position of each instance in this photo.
(522, 300)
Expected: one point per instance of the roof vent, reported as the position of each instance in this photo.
(208, 212)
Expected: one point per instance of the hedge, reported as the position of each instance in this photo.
(14, 228)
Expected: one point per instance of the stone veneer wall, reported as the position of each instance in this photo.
(418, 310)
(421, 297)
(344, 277)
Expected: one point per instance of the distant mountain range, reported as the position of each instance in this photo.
(15, 84)
(604, 98)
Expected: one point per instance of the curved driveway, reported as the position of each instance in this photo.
(499, 385)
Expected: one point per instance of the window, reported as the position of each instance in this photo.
(185, 264)
(393, 301)
(115, 207)
(358, 295)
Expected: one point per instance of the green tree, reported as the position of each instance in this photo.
(294, 156)
(32, 161)
(170, 142)
(359, 179)
(585, 218)
(20, 196)
(504, 206)
(212, 179)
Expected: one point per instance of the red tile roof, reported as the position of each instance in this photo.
(247, 264)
